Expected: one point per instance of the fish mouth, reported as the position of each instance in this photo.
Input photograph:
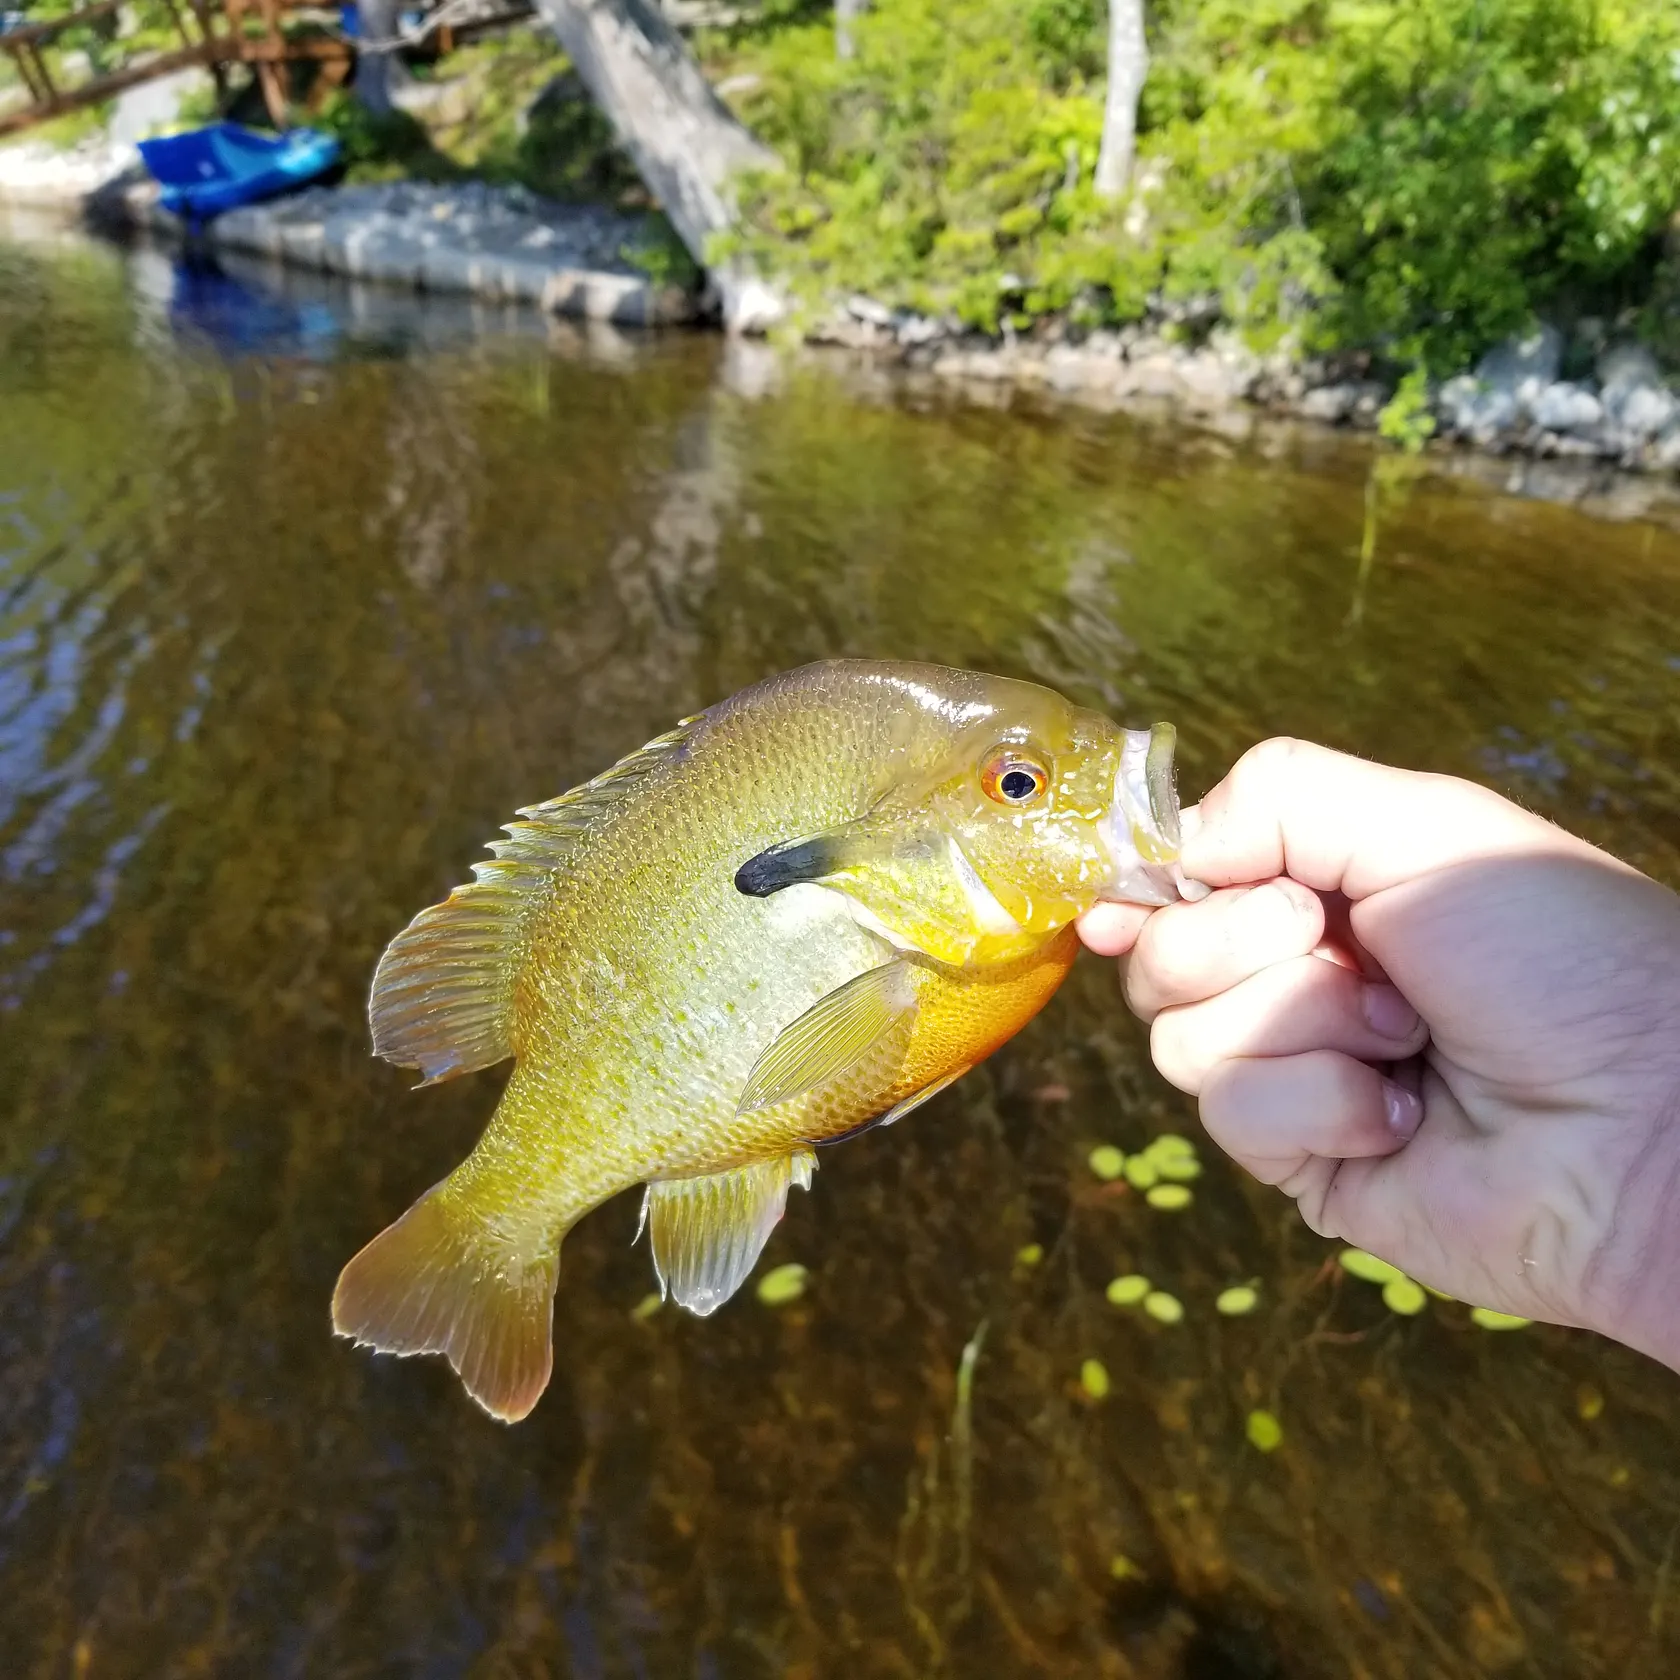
(1144, 829)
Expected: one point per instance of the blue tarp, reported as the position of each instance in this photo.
(208, 170)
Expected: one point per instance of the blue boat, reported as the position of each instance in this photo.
(208, 170)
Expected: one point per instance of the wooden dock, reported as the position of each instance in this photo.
(209, 33)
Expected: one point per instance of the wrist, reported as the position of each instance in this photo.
(1633, 1293)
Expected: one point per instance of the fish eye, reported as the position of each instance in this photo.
(1013, 779)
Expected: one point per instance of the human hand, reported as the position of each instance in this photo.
(1449, 1029)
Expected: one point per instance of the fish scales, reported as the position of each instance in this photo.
(806, 908)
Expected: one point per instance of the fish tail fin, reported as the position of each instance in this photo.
(443, 1279)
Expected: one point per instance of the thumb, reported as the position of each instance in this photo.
(1341, 824)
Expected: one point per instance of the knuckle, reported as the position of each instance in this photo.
(1176, 1050)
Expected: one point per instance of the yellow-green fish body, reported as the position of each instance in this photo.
(814, 904)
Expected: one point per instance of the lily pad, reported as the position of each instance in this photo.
(1169, 1197)
(1162, 1307)
(1030, 1255)
(1128, 1291)
(1106, 1162)
(1237, 1301)
(1265, 1433)
(1401, 1295)
(1141, 1172)
(1367, 1267)
(1491, 1320)
(783, 1284)
(647, 1306)
(1180, 1169)
(1169, 1145)
(1093, 1378)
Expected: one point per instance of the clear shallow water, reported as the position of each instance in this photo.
(300, 595)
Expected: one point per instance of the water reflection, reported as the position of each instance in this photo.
(284, 636)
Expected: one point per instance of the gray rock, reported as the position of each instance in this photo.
(1523, 367)
(1563, 407)
(1493, 412)
(916, 330)
(1329, 403)
(1455, 402)
(862, 308)
(1665, 452)
(1624, 367)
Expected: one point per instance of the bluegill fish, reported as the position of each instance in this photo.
(813, 905)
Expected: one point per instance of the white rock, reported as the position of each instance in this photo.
(1665, 452)
(1646, 410)
(1329, 403)
(1455, 402)
(1523, 367)
(1624, 367)
(862, 308)
(1563, 407)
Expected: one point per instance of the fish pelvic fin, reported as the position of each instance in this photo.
(443, 993)
(444, 1280)
(707, 1233)
(834, 1034)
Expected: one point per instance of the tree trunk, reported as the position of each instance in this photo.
(846, 12)
(378, 28)
(1128, 61)
(681, 137)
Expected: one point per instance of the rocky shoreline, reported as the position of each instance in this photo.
(1624, 413)
(503, 244)
(500, 244)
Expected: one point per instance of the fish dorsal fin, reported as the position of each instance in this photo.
(833, 1034)
(442, 996)
(708, 1233)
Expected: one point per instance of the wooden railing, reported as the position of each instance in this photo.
(221, 32)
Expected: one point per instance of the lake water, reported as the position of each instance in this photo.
(301, 593)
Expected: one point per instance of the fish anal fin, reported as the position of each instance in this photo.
(442, 1280)
(708, 1232)
(443, 993)
(831, 1036)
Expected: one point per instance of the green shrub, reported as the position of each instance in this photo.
(1419, 176)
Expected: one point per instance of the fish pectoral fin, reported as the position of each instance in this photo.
(917, 1098)
(708, 1233)
(833, 1034)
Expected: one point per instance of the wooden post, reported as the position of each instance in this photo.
(270, 69)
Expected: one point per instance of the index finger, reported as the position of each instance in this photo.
(1342, 824)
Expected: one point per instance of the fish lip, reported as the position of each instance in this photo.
(1143, 829)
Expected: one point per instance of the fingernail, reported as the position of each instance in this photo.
(1273, 916)
(1388, 1012)
(1405, 1111)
